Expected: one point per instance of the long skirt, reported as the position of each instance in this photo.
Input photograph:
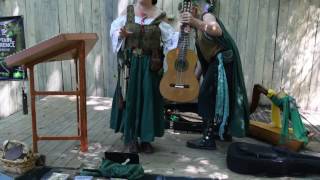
(143, 114)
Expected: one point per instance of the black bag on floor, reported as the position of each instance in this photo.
(254, 159)
(121, 157)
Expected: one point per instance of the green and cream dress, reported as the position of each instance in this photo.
(141, 116)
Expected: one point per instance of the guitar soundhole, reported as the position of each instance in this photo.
(181, 66)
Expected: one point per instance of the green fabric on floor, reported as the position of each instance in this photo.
(116, 170)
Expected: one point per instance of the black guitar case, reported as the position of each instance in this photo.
(254, 159)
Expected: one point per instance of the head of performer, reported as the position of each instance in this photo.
(147, 2)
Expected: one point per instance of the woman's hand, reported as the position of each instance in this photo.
(124, 33)
(187, 18)
(208, 24)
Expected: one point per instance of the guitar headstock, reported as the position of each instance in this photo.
(186, 6)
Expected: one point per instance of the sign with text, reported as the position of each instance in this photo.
(11, 41)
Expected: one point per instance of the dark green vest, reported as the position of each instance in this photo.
(146, 37)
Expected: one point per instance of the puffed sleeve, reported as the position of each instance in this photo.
(169, 37)
(116, 25)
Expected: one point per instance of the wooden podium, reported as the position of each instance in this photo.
(61, 47)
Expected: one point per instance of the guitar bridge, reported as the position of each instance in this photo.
(179, 86)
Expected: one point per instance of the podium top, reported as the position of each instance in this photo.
(48, 50)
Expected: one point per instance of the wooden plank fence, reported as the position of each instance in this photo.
(279, 43)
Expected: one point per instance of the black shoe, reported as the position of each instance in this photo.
(147, 148)
(207, 140)
(202, 143)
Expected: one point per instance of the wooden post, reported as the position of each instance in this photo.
(33, 111)
(83, 104)
(77, 89)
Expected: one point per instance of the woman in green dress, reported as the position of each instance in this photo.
(140, 37)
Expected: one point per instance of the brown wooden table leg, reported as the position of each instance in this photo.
(77, 96)
(82, 89)
(33, 111)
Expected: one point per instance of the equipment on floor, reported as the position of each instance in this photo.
(34, 174)
(278, 132)
(245, 158)
(122, 157)
(183, 117)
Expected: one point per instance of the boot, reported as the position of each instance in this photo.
(207, 139)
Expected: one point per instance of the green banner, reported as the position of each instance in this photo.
(11, 41)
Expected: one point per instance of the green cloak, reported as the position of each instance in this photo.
(239, 114)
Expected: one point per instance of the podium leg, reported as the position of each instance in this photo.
(77, 96)
(33, 111)
(83, 106)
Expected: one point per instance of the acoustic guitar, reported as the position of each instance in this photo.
(179, 83)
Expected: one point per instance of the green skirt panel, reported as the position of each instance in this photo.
(142, 116)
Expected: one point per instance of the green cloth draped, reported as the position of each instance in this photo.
(222, 98)
(115, 170)
(142, 116)
(239, 109)
(291, 113)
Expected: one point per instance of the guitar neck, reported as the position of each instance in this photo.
(183, 43)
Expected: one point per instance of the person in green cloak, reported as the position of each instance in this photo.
(222, 101)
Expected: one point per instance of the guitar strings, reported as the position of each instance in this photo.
(181, 63)
(183, 41)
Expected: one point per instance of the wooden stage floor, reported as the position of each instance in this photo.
(57, 116)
